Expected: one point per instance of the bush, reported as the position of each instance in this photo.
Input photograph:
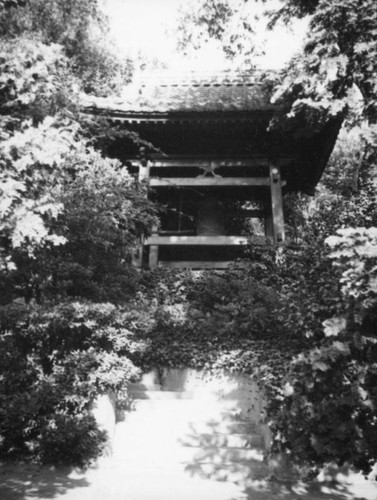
(70, 440)
(323, 406)
(212, 320)
(54, 361)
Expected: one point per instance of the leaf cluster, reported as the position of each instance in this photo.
(224, 22)
(69, 218)
(54, 362)
(217, 321)
(338, 56)
(81, 29)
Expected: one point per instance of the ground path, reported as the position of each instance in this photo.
(187, 437)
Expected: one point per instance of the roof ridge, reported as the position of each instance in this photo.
(197, 78)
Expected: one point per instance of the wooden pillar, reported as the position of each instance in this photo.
(144, 173)
(144, 168)
(276, 204)
(153, 252)
(268, 228)
(137, 258)
(153, 257)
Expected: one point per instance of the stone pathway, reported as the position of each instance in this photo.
(110, 481)
(187, 437)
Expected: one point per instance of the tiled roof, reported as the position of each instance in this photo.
(189, 93)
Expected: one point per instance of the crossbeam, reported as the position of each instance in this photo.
(201, 264)
(206, 240)
(208, 181)
(261, 161)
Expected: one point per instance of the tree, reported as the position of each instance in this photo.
(337, 63)
(45, 154)
(81, 28)
(69, 221)
(70, 218)
(31, 88)
(223, 21)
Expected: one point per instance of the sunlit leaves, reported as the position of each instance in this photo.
(54, 362)
(227, 22)
(31, 78)
(58, 189)
(354, 251)
(340, 53)
(333, 326)
(80, 28)
(33, 161)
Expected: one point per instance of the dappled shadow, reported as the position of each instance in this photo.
(313, 490)
(224, 457)
(231, 449)
(21, 481)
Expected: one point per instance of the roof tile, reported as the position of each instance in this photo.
(193, 93)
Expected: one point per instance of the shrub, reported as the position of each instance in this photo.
(209, 320)
(54, 361)
(68, 439)
(323, 406)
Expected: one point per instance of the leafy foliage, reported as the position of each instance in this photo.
(319, 83)
(54, 362)
(323, 408)
(217, 321)
(35, 80)
(80, 28)
(56, 190)
(224, 21)
(69, 221)
(338, 57)
(325, 411)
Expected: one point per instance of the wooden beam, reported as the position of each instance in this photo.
(215, 163)
(208, 181)
(201, 264)
(205, 240)
(277, 204)
(262, 109)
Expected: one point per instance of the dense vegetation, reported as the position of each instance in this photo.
(75, 318)
(325, 410)
(69, 222)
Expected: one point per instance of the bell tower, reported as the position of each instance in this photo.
(214, 166)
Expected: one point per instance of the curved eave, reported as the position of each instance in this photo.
(311, 156)
(114, 116)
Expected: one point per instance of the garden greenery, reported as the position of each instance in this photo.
(70, 220)
(76, 320)
(54, 362)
